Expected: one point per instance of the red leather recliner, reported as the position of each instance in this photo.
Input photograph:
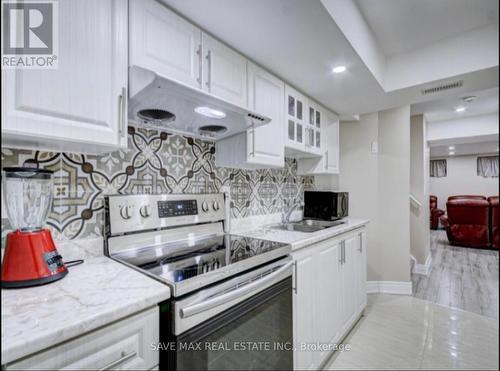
(435, 213)
(467, 222)
(467, 197)
(494, 216)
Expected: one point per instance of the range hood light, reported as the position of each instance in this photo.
(210, 112)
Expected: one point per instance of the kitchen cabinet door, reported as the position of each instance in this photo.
(261, 147)
(224, 71)
(348, 279)
(361, 271)
(164, 42)
(81, 105)
(328, 302)
(295, 113)
(304, 307)
(314, 127)
(332, 146)
(329, 162)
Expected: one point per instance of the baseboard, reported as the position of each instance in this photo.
(423, 269)
(389, 287)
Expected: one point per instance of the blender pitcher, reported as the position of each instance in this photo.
(31, 257)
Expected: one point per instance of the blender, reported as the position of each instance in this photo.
(31, 257)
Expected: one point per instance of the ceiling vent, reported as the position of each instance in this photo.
(440, 88)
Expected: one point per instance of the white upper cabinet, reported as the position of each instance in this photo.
(224, 71)
(261, 147)
(295, 114)
(163, 42)
(332, 144)
(314, 128)
(81, 105)
(329, 162)
(167, 44)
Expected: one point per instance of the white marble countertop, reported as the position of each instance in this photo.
(299, 240)
(93, 294)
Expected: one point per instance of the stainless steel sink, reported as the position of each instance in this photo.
(320, 223)
(296, 227)
(307, 225)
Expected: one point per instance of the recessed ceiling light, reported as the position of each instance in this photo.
(460, 109)
(210, 112)
(339, 69)
(451, 153)
(451, 148)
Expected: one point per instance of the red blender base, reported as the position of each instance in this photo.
(31, 259)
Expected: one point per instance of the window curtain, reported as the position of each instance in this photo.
(487, 166)
(438, 168)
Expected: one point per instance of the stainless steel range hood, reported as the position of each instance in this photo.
(158, 103)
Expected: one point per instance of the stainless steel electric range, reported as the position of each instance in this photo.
(231, 305)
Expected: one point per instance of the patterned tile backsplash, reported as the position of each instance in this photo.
(154, 162)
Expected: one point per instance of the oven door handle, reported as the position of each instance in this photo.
(232, 295)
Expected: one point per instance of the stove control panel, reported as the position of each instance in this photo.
(132, 213)
(168, 209)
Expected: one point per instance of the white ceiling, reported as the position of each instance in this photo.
(462, 149)
(404, 25)
(444, 109)
(299, 41)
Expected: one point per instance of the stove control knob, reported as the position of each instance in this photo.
(216, 205)
(145, 211)
(204, 206)
(126, 212)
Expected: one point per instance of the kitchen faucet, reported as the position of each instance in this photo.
(285, 216)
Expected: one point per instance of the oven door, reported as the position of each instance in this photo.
(244, 323)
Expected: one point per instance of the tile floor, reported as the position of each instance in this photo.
(403, 332)
(460, 277)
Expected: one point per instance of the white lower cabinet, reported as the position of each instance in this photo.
(124, 345)
(330, 295)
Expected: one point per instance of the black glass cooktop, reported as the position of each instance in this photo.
(182, 261)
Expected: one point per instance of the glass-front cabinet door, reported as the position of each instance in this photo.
(315, 124)
(296, 111)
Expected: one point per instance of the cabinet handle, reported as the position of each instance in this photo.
(209, 67)
(326, 160)
(252, 153)
(124, 357)
(200, 65)
(121, 113)
(360, 242)
(343, 252)
(295, 273)
(124, 112)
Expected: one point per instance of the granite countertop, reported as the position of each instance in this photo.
(93, 294)
(299, 240)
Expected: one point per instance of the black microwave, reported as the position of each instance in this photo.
(326, 205)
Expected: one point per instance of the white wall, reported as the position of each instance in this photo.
(359, 177)
(426, 64)
(467, 127)
(462, 178)
(419, 188)
(394, 190)
(378, 186)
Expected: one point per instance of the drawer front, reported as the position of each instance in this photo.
(124, 345)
